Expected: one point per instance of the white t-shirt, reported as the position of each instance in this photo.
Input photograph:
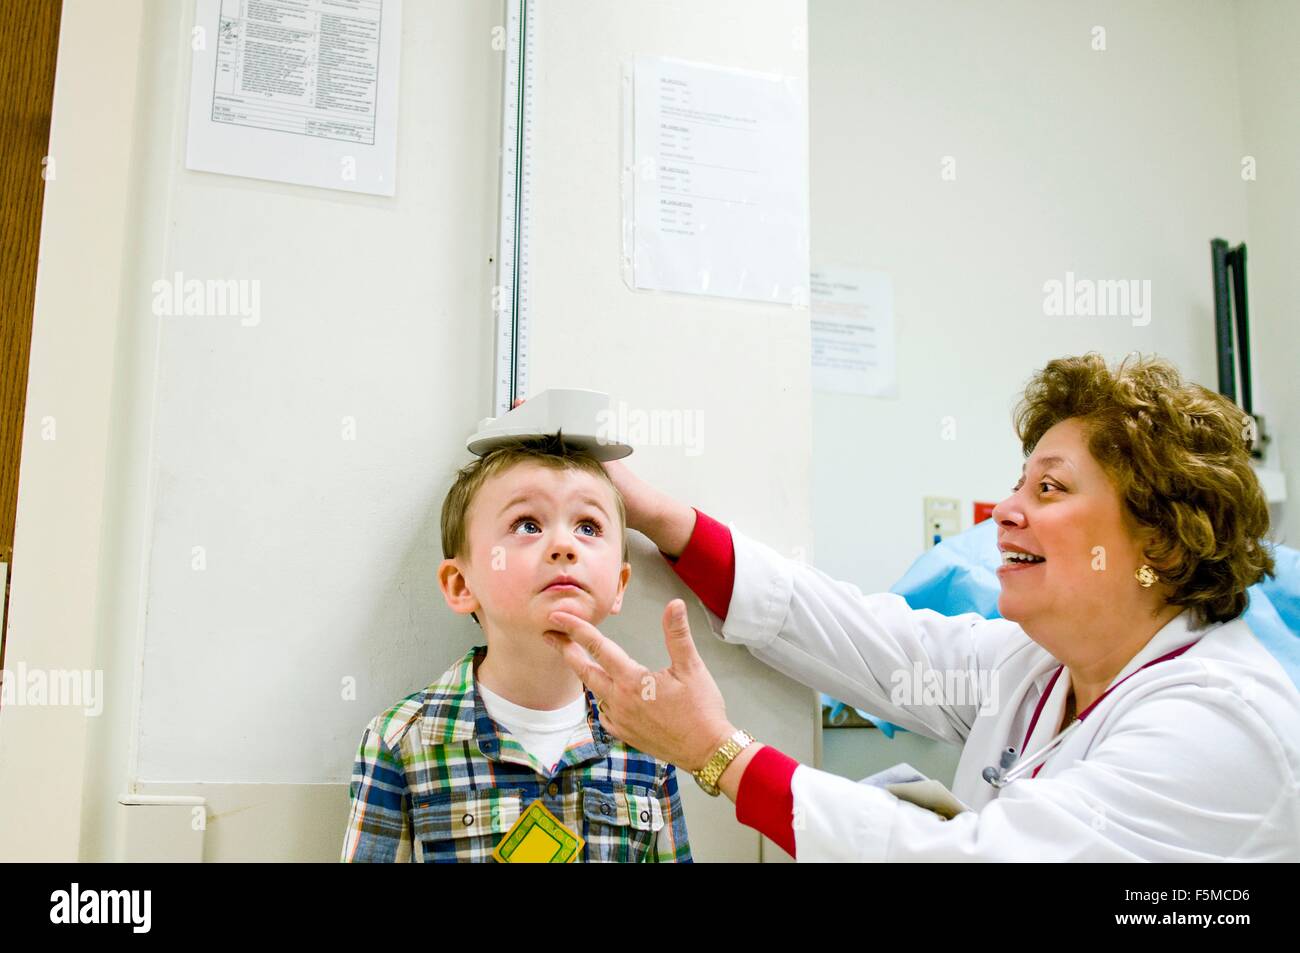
(544, 734)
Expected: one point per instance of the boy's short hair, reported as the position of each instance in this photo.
(548, 451)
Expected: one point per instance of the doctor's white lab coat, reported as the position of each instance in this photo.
(1194, 759)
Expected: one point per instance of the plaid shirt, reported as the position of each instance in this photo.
(437, 780)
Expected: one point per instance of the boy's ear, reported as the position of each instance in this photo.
(624, 575)
(455, 588)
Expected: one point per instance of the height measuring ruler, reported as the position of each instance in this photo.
(510, 297)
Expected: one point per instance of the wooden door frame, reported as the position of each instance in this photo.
(29, 37)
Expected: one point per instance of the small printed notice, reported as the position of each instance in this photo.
(301, 91)
(853, 332)
(718, 171)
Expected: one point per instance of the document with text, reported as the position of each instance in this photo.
(301, 91)
(720, 183)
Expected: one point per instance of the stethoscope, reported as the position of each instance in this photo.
(1009, 768)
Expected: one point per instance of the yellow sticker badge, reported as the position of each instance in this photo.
(538, 837)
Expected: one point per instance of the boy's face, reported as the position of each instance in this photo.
(527, 527)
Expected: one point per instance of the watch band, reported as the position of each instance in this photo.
(707, 777)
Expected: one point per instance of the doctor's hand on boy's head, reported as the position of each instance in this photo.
(676, 714)
(667, 521)
(641, 501)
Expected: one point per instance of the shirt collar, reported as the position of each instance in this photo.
(449, 704)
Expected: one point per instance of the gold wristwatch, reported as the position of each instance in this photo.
(707, 776)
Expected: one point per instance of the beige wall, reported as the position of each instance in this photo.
(49, 756)
(224, 685)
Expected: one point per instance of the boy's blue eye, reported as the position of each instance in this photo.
(528, 520)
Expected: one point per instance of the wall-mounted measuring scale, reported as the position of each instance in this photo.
(510, 298)
(579, 414)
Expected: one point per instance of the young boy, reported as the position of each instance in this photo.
(445, 773)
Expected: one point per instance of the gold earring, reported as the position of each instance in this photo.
(1146, 576)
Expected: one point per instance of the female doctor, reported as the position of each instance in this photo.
(1147, 721)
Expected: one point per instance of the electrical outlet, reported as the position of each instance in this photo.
(942, 519)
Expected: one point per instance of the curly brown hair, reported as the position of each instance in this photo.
(1179, 456)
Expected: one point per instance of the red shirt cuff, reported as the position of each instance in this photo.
(765, 800)
(708, 564)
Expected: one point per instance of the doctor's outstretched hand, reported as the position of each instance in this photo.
(676, 714)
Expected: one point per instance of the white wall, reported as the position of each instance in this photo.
(1118, 164)
(320, 550)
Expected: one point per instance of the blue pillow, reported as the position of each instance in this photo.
(959, 575)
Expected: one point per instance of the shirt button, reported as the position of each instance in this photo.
(467, 820)
(552, 789)
(604, 809)
(645, 815)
